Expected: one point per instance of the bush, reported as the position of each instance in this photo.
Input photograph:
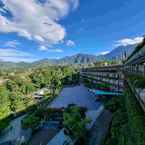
(137, 80)
(103, 85)
(30, 121)
(112, 104)
(75, 122)
(3, 124)
(127, 127)
(136, 118)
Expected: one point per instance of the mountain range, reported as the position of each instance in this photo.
(118, 52)
(115, 54)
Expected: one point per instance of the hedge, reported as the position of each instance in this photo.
(128, 122)
(136, 118)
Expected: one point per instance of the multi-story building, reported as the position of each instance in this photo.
(111, 75)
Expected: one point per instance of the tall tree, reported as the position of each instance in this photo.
(4, 103)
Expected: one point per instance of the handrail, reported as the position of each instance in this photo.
(105, 68)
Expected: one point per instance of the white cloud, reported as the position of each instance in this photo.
(13, 52)
(104, 52)
(12, 43)
(37, 21)
(129, 41)
(70, 43)
(39, 38)
(58, 50)
(18, 59)
(75, 3)
(2, 10)
(44, 48)
(15, 55)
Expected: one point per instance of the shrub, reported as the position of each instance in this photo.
(30, 121)
(137, 80)
(127, 127)
(3, 124)
(136, 118)
(112, 104)
(75, 122)
(103, 85)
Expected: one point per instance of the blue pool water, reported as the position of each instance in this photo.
(101, 92)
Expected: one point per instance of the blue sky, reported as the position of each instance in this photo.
(40, 29)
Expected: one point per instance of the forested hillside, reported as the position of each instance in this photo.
(17, 88)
